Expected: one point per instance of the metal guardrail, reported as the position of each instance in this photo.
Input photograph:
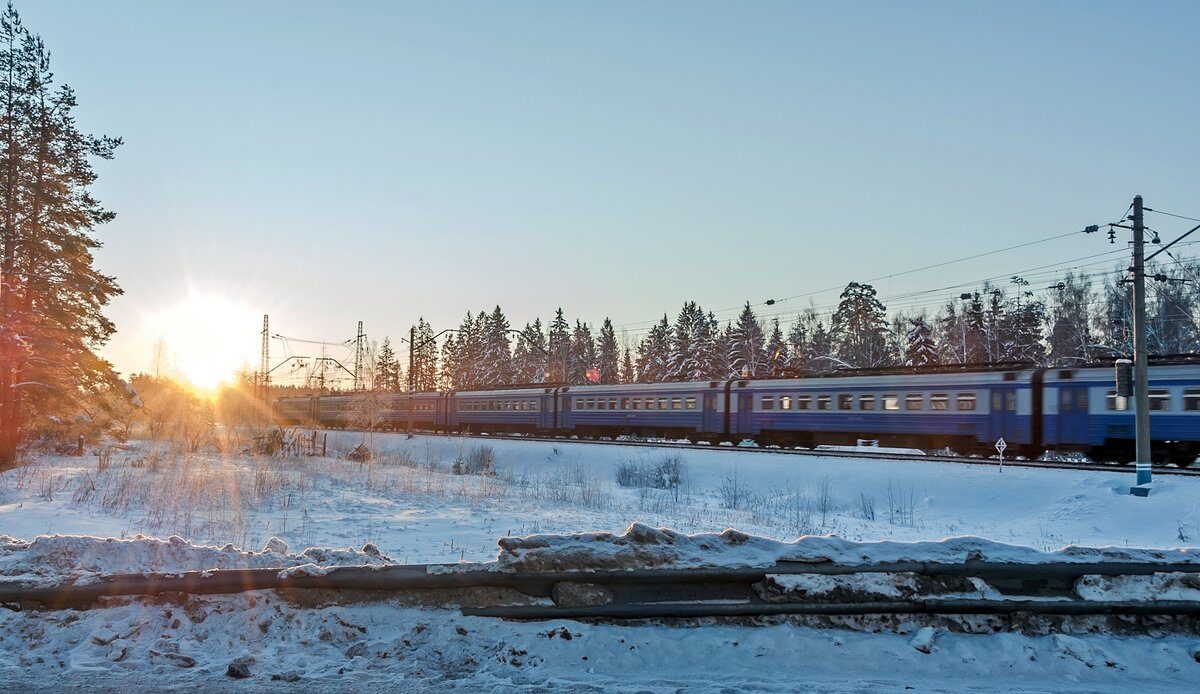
(635, 594)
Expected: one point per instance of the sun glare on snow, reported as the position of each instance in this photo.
(207, 337)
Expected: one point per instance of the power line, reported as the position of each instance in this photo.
(1171, 214)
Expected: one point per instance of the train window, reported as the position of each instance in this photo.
(785, 402)
(866, 402)
(676, 403)
(662, 403)
(1191, 399)
(824, 402)
(768, 402)
(579, 403)
(965, 402)
(803, 402)
(649, 403)
(1010, 401)
(939, 401)
(635, 404)
(612, 403)
(996, 401)
(845, 402)
(1114, 402)
(534, 405)
(624, 403)
(891, 401)
(914, 401)
(602, 404)
(1064, 400)
(689, 403)
(1160, 400)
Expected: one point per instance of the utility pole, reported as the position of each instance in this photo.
(1141, 377)
(359, 357)
(265, 369)
(412, 339)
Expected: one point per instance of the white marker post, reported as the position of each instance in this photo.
(1000, 446)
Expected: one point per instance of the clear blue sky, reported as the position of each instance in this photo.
(333, 162)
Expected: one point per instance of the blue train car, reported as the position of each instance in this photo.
(961, 410)
(648, 409)
(512, 410)
(1082, 412)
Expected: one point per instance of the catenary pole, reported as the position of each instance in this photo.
(1141, 386)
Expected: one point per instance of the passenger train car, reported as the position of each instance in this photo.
(968, 411)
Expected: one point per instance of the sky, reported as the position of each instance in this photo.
(326, 163)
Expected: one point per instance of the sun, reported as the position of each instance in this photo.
(203, 338)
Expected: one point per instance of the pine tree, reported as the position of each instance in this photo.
(628, 370)
(387, 368)
(746, 343)
(775, 355)
(529, 356)
(710, 362)
(497, 355)
(559, 349)
(683, 364)
(920, 350)
(608, 354)
(654, 354)
(424, 374)
(858, 327)
(51, 296)
(583, 355)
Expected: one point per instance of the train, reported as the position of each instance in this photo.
(941, 408)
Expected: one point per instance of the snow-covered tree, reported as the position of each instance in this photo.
(51, 296)
(559, 348)
(859, 327)
(746, 344)
(608, 354)
(775, 355)
(1070, 339)
(529, 355)
(920, 349)
(654, 354)
(583, 354)
(496, 353)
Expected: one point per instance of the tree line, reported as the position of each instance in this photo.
(1077, 321)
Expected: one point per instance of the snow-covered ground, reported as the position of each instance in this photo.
(410, 505)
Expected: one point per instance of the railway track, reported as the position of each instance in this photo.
(860, 454)
(799, 589)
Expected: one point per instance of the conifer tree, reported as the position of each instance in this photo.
(858, 327)
(654, 354)
(775, 354)
(628, 370)
(746, 344)
(529, 355)
(710, 363)
(497, 354)
(608, 354)
(387, 368)
(683, 365)
(424, 374)
(920, 350)
(583, 354)
(51, 295)
(559, 348)
(1070, 340)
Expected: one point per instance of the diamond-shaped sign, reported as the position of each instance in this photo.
(1000, 445)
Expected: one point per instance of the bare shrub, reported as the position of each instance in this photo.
(480, 461)
(901, 504)
(866, 507)
(668, 473)
(732, 491)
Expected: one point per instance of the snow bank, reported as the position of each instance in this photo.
(54, 559)
(643, 547)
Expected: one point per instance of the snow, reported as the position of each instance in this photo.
(557, 504)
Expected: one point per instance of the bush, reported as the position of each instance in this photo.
(480, 461)
(666, 474)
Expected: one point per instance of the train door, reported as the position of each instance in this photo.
(1072, 414)
(745, 414)
(1002, 417)
(712, 418)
